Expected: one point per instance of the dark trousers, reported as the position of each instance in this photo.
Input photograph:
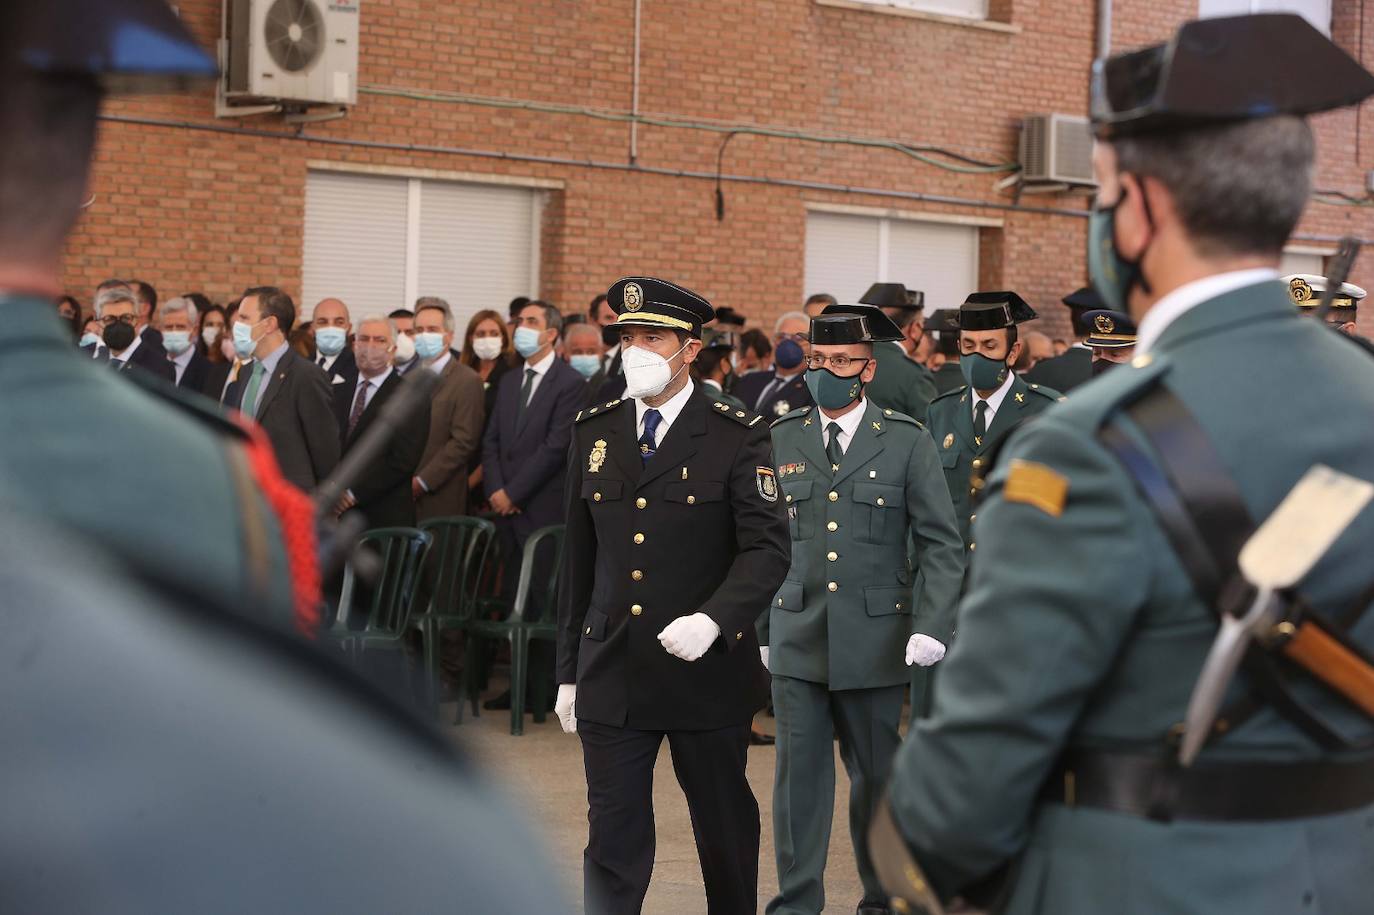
(620, 844)
(809, 718)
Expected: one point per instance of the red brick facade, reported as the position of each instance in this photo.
(199, 203)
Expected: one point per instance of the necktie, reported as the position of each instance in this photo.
(359, 404)
(647, 445)
(767, 392)
(525, 393)
(833, 451)
(980, 422)
(249, 406)
(323, 360)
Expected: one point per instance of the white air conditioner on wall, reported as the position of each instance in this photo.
(300, 52)
(1057, 149)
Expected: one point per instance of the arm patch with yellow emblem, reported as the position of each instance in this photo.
(1036, 485)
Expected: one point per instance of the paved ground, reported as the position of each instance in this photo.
(543, 773)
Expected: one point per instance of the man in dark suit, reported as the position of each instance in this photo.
(676, 541)
(180, 320)
(1065, 372)
(381, 493)
(333, 326)
(525, 449)
(127, 351)
(146, 298)
(772, 394)
(287, 395)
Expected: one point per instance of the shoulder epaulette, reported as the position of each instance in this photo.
(743, 417)
(597, 410)
(794, 414)
(900, 417)
(1047, 393)
(200, 408)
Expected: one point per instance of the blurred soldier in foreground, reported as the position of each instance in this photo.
(88, 452)
(1049, 777)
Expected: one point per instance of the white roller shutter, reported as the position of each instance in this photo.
(1317, 12)
(1301, 262)
(845, 254)
(477, 246)
(378, 243)
(355, 241)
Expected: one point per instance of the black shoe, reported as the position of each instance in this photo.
(500, 704)
(760, 739)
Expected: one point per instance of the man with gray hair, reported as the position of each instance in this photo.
(118, 313)
(772, 394)
(180, 327)
(381, 493)
(1053, 775)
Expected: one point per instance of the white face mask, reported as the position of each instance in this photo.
(486, 347)
(647, 373)
(405, 349)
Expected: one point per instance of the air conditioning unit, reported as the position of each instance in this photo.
(1057, 149)
(300, 52)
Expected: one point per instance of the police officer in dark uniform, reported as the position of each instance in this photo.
(676, 542)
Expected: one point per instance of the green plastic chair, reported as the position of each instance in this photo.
(520, 631)
(401, 550)
(454, 569)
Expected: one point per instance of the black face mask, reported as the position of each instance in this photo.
(118, 336)
(1103, 365)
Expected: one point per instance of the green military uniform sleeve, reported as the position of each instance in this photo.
(939, 549)
(1035, 638)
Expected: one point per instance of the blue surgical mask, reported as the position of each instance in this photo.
(527, 341)
(244, 344)
(586, 366)
(788, 354)
(176, 342)
(982, 373)
(89, 339)
(330, 340)
(429, 346)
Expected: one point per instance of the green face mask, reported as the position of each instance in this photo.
(982, 373)
(831, 391)
(1111, 274)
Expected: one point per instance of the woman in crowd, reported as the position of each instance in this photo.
(487, 351)
(69, 309)
(212, 325)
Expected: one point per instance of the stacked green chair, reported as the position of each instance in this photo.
(401, 551)
(520, 631)
(454, 571)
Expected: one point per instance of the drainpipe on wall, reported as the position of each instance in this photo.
(1104, 29)
(634, 96)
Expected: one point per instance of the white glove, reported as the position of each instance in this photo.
(565, 707)
(763, 656)
(688, 637)
(923, 651)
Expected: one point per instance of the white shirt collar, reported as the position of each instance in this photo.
(375, 382)
(849, 423)
(669, 411)
(1188, 296)
(330, 360)
(541, 368)
(995, 398)
(713, 385)
(438, 365)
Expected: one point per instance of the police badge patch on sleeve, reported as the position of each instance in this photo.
(767, 483)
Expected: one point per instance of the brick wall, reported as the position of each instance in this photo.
(203, 205)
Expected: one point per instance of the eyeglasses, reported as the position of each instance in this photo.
(839, 362)
(109, 320)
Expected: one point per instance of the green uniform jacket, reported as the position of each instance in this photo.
(1081, 629)
(951, 425)
(149, 480)
(849, 604)
(900, 384)
(948, 377)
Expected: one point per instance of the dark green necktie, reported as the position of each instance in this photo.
(833, 451)
(980, 421)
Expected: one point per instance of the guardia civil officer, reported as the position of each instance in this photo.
(1048, 778)
(142, 451)
(902, 384)
(969, 421)
(860, 482)
(676, 542)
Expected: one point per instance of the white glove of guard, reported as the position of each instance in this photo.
(565, 707)
(688, 637)
(763, 656)
(923, 651)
